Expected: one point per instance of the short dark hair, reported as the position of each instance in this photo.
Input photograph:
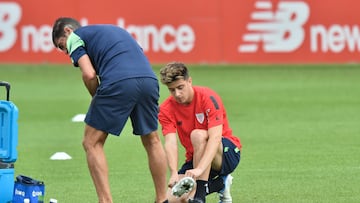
(173, 71)
(60, 24)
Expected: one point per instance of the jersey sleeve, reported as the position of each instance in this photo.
(166, 119)
(214, 109)
(76, 48)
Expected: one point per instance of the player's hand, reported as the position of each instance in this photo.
(194, 173)
(173, 180)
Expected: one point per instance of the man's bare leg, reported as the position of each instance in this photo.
(157, 163)
(93, 144)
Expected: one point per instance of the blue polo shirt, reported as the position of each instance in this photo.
(114, 53)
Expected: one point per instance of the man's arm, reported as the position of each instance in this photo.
(88, 74)
(171, 150)
(215, 135)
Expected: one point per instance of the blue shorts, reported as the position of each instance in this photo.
(231, 159)
(136, 98)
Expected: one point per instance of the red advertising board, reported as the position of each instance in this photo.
(194, 31)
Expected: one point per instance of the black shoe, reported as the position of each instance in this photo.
(166, 201)
(195, 201)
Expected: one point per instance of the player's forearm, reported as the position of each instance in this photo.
(88, 74)
(171, 150)
(215, 135)
(172, 157)
(91, 85)
(209, 154)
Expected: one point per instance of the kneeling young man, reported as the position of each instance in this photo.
(197, 115)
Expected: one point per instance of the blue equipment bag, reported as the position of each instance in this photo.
(6, 182)
(8, 128)
(28, 188)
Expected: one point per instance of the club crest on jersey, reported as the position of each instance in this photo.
(200, 117)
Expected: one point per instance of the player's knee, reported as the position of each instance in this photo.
(151, 139)
(198, 136)
(87, 144)
(92, 141)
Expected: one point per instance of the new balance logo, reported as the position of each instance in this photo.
(277, 31)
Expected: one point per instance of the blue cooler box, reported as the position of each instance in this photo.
(8, 145)
(8, 131)
(6, 182)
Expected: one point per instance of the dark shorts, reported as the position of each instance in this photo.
(136, 98)
(231, 159)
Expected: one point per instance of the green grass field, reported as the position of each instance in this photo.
(299, 125)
